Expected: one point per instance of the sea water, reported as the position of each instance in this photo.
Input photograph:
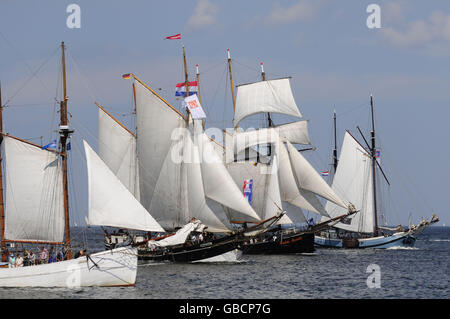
(419, 272)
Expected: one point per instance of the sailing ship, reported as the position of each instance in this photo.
(36, 212)
(173, 168)
(282, 178)
(355, 177)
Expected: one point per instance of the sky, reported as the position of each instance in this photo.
(334, 59)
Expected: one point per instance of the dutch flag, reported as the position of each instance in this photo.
(181, 88)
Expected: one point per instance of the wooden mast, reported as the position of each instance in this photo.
(374, 162)
(231, 82)
(2, 206)
(64, 135)
(186, 82)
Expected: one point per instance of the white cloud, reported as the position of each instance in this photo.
(302, 10)
(204, 15)
(436, 29)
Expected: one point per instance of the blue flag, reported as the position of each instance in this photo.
(51, 145)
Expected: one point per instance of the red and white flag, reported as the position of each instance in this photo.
(174, 37)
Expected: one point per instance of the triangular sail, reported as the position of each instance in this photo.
(309, 179)
(117, 148)
(110, 202)
(274, 96)
(353, 179)
(34, 209)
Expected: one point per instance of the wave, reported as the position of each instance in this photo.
(439, 240)
(402, 248)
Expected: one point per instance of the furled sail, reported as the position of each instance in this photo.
(274, 96)
(353, 179)
(117, 148)
(110, 202)
(309, 179)
(34, 209)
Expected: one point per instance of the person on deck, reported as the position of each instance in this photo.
(19, 261)
(31, 258)
(81, 253)
(12, 261)
(43, 257)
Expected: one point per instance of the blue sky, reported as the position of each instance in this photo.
(334, 59)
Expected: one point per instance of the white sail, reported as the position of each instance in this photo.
(110, 202)
(34, 209)
(174, 188)
(309, 179)
(219, 185)
(296, 132)
(274, 96)
(159, 175)
(197, 204)
(117, 148)
(290, 192)
(353, 179)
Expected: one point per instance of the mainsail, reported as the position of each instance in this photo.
(353, 178)
(110, 202)
(34, 209)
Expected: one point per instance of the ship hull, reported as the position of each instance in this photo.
(116, 267)
(382, 242)
(293, 244)
(211, 251)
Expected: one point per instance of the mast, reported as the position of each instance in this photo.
(2, 206)
(263, 77)
(186, 82)
(64, 135)
(231, 81)
(374, 161)
(335, 160)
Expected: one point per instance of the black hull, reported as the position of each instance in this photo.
(293, 244)
(186, 254)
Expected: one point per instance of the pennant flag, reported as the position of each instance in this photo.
(50, 145)
(247, 189)
(193, 104)
(325, 173)
(174, 37)
(181, 88)
(126, 76)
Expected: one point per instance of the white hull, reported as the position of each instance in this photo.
(229, 257)
(115, 267)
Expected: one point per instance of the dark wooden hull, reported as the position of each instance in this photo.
(291, 244)
(185, 254)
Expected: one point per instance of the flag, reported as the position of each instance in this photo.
(181, 88)
(378, 156)
(126, 76)
(325, 173)
(50, 145)
(68, 146)
(193, 104)
(247, 189)
(174, 37)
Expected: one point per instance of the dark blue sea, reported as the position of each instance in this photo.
(420, 272)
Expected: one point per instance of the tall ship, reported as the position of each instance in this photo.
(355, 177)
(281, 178)
(35, 212)
(172, 167)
